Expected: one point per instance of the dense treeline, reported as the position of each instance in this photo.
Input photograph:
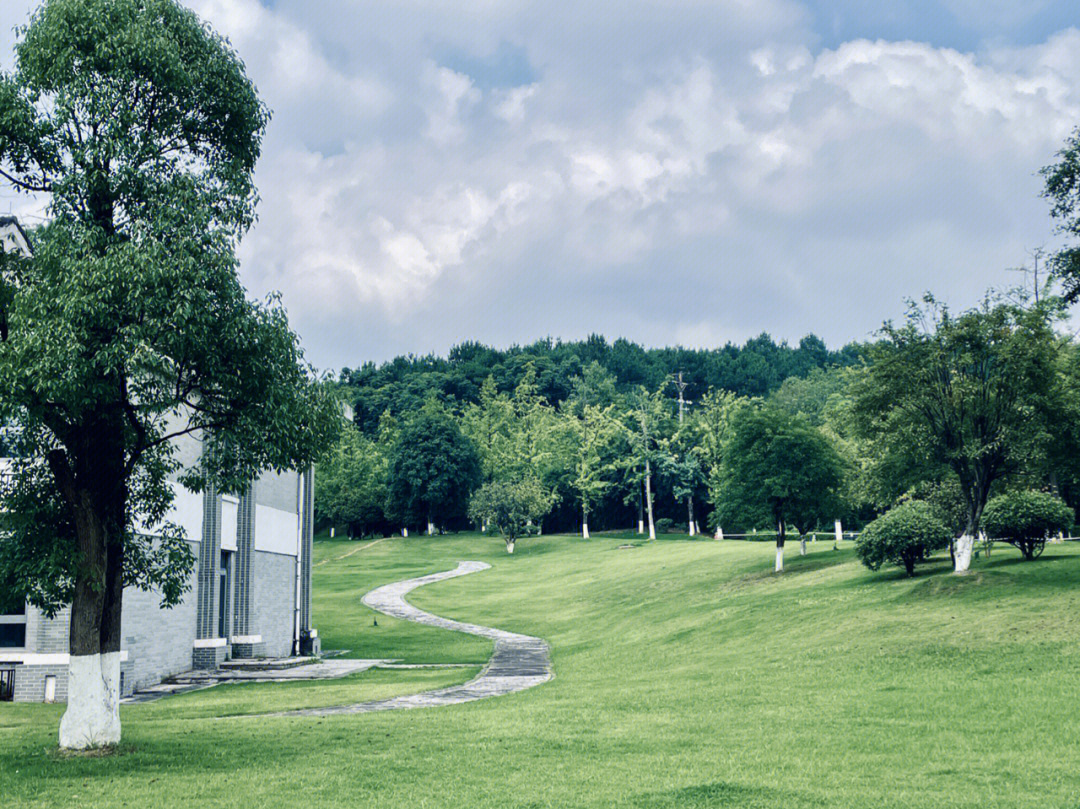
(756, 368)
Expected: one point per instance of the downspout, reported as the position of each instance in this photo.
(299, 570)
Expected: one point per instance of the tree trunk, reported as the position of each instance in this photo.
(405, 532)
(964, 547)
(802, 544)
(96, 497)
(691, 526)
(509, 546)
(331, 532)
(648, 499)
(780, 549)
(640, 513)
(584, 522)
(430, 528)
(839, 532)
(719, 531)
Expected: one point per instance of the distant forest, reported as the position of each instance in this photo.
(756, 368)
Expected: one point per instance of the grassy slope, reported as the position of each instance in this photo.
(686, 676)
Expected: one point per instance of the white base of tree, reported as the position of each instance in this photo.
(510, 547)
(331, 532)
(430, 528)
(839, 531)
(964, 546)
(405, 532)
(779, 560)
(691, 529)
(719, 532)
(92, 718)
(802, 546)
(584, 530)
(641, 526)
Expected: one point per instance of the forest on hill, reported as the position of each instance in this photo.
(756, 368)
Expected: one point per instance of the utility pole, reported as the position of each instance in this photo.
(681, 385)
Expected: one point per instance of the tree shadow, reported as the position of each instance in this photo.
(718, 795)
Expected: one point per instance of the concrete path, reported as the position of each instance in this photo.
(518, 662)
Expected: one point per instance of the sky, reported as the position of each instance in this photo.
(682, 172)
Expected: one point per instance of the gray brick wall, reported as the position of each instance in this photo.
(272, 607)
(158, 641)
(47, 635)
(279, 491)
(30, 682)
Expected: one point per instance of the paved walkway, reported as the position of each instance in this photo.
(518, 662)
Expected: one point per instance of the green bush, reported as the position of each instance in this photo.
(1025, 519)
(904, 536)
(665, 525)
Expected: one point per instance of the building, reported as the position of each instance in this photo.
(249, 596)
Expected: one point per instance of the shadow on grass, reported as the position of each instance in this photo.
(718, 795)
(800, 565)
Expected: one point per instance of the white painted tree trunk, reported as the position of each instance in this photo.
(92, 718)
(719, 532)
(585, 529)
(405, 532)
(641, 526)
(802, 545)
(648, 500)
(331, 532)
(430, 528)
(964, 546)
(691, 525)
(839, 529)
(510, 546)
(779, 559)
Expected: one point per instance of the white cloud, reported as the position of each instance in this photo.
(702, 168)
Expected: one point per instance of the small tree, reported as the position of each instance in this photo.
(1026, 519)
(433, 468)
(511, 507)
(351, 483)
(778, 467)
(904, 536)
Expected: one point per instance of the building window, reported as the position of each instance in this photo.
(225, 572)
(13, 628)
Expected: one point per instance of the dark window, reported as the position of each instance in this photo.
(223, 594)
(12, 636)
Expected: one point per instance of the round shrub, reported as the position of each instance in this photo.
(1025, 519)
(904, 536)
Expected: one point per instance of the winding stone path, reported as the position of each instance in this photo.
(518, 662)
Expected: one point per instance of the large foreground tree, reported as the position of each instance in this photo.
(128, 328)
(975, 393)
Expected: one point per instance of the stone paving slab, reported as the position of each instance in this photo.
(517, 663)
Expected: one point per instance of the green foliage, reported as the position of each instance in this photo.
(1026, 519)
(511, 506)
(433, 468)
(778, 469)
(1063, 190)
(904, 536)
(974, 394)
(755, 368)
(351, 484)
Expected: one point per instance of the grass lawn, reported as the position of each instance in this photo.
(687, 675)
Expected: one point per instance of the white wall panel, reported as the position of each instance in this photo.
(275, 530)
(230, 512)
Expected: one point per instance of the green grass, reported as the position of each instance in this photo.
(687, 675)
